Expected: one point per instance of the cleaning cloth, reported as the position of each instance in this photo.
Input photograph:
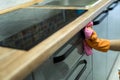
(88, 32)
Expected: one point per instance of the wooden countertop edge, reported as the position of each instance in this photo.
(27, 61)
(19, 6)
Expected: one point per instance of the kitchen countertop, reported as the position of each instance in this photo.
(17, 64)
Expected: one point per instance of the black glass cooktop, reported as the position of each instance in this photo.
(23, 29)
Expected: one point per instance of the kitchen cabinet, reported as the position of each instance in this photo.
(113, 33)
(108, 29)
(100, 58)
(17, 64)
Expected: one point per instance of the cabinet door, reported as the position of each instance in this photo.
(100, 58)
(113, 33)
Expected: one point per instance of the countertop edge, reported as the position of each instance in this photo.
(19, 6)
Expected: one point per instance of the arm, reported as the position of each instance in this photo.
(115, 45)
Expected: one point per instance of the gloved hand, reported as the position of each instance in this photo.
(99, 44)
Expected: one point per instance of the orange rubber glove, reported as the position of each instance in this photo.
(97, 43)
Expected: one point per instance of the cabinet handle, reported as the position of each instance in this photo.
(113, 5)
(78, 63)
(100, 17)
(64, 56)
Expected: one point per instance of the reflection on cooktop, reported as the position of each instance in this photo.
(69, 3)
(25, 28)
